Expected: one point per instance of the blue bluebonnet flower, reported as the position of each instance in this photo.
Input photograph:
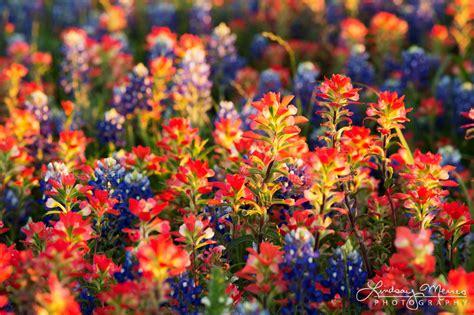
(345, 273)
(37, 103)
(466, 247)
(128, 270)
(420, 17)
(258, 46)
(417, 66)
(270, 80)
(87, 301)
(185, 295)
(111, 129)
(136, 186)
(335, 12)
(300, 270)
(223, 57)
(250, 308)
(10, 200)
(10, 203)
(163, 14)
(253, 5)
(359, 69)
(122, 185)
(108, 174)
(391, 66)
(296, 174)
(227, 111)
(314, 139)
(54, 171)
(22, 14)
(74, 75)
(161, 42)
(200, 20)
(463, 100)
(457, 97)
(444, 90)
(305, 83)
(393, 85)
(136, 94)
(451, 156)
(192, 87)
(67, 13)
(368, 9)
(220, 218)
(439, 9)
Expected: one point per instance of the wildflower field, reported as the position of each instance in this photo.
(236, 157)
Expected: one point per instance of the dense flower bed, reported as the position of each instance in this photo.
(236, 157)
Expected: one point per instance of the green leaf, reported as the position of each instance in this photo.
(236, 242)
(217, 302)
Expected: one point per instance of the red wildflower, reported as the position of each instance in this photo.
(104, 264)
(455, 209)
(160, 258)
(247, 79)
(58, 300)
(41, 59)
(227, 131)
(145, 210)
(353, 31)
(18, 50)
(430, 107)
(470, 127)
(73, 228)
(195, 232)
(389, 112)
(114, 19)
(427, 170)
(194, 176)
(388, 31)
(186, 43)
(440, 35)
(162, 34)
(6, 267)
(455, 221)
(460, 283)
(338, 91)
(122, 297)
(276, 121)
(15, 72)
(68, 107)
(72, 146)
(262, 269)
(36, 231)
(99, 203)
(359, 145)
(414, 252)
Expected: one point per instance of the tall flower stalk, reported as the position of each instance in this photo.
(275, 133)
(335, 95)
(390, 114)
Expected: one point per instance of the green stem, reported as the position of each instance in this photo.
(405, 145)
(465, 191)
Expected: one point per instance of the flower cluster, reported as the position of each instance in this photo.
(236, 157)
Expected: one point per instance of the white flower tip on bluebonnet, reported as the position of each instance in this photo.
(75, 38)
(38, 99)
(222, 30)
(55, 170)
(140, 70)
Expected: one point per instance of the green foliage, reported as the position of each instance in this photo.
(217, 302)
